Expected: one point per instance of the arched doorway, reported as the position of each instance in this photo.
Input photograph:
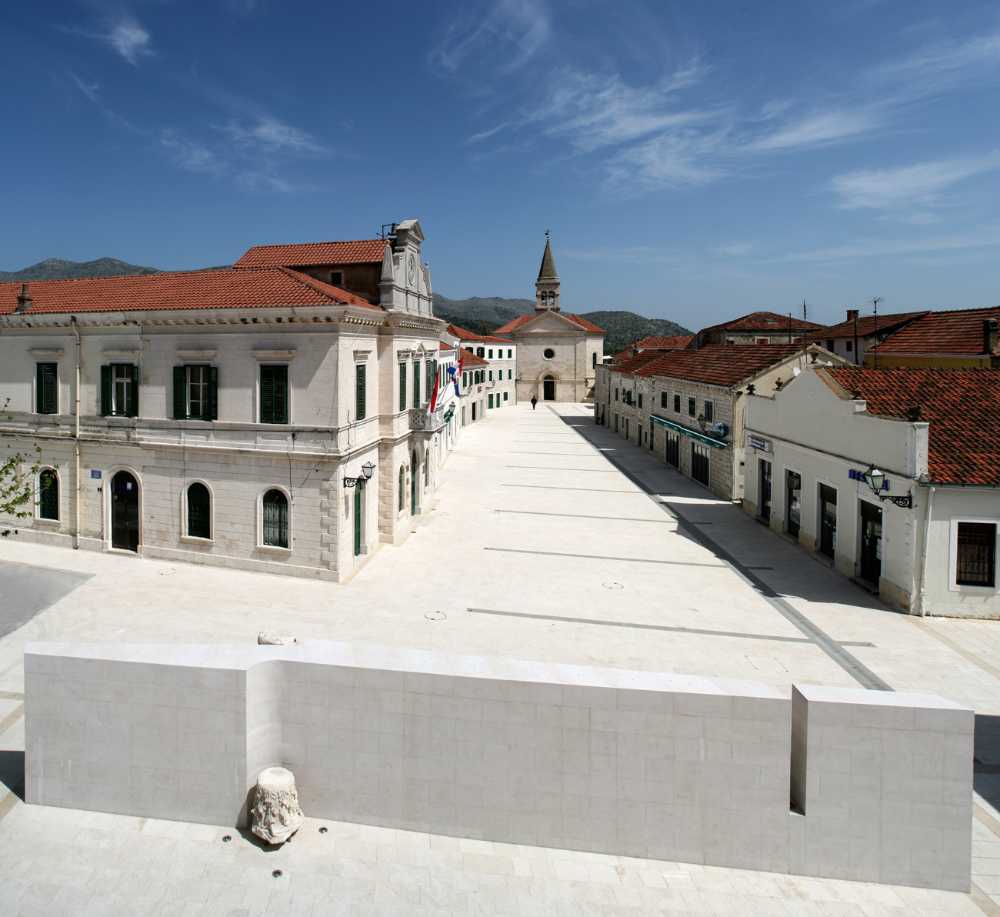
(125, 512)
(414, 471)
(548, 389)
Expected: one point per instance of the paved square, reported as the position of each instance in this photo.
(551, 539)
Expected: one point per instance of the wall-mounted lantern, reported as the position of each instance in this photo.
(875, 479)
(367, 470)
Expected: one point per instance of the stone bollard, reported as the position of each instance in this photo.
(276, 814)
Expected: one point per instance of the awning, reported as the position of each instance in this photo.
(696, 435)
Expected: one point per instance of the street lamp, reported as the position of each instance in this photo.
(875, 479)
(367, 470)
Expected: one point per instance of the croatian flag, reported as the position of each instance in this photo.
(456, 374)
(434, 394)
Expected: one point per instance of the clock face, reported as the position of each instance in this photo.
(411, 271)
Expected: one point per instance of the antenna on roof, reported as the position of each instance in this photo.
(875, 301)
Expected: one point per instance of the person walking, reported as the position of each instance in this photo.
(534, 401)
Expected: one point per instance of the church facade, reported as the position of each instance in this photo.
(557, 352)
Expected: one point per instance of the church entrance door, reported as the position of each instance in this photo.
(548, 389)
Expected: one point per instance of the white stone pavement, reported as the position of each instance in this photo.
(538, 547)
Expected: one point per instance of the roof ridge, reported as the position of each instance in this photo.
(320, 242)
(110, 277)
(322, 287)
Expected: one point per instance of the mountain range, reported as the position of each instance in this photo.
(482, 314)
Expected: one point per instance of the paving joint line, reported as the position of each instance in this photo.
(847, 661)
(626, 560)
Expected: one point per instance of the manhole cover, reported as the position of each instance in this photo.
(612, 585)
(435, 616)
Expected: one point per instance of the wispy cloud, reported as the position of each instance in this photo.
(129, 39)
(505, 37)
(90, 90)
(942, 65)
(190, 155)
(272, 135)
(920, 184)
(982, 237)
(819, 129)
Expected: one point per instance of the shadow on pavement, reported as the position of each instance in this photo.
(12, 772)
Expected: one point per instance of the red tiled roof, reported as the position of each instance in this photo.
(764, 321)
(961, 405)
(521, 320)
(866, 326)
(360, 251)
(957, 331)
(470, 359)
(655, 342)
(630, 364)
(463, 334)
(220, 289)
(444, 346)
(718, 364)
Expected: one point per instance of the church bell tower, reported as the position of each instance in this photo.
(547, 284)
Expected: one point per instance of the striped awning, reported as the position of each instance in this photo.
(696, 435)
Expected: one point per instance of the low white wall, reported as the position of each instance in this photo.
(634, 763)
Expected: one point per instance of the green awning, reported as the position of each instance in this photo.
(692, 434)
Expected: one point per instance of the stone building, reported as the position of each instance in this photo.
(949, 339)
(890, 475)
(557, 352)
(757, 328)
(688, 406)
(857, 334)
(500, 355)
(257, 416)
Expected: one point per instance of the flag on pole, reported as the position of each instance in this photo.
(434, 394)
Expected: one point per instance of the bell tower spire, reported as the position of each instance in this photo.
(547, 284)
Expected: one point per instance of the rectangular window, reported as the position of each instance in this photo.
(491, 353)
(120, 390)
(692, 407)
(664, 400)
(616, 394)
(510, 353)
(640, 399)
(491, 375)
(46, 388)
(976, 557)
(274, 394)
(505, 396)
(510, 374)
(709, 411)
(677, 404)
(196, 392)
(337, 278)
(360, 381)
(416, 383)
(402, 386)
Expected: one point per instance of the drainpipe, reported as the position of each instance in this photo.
(76, 434)
(923, 564)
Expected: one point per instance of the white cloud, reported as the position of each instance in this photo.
(983, 237)
(191, 155)
(672, 159)
(90, 90)
(917, 185)
(818, 129)
(505, 38)
(272, 135)
(129, 39)
(944, 64)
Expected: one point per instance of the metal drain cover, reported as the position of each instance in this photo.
(435, 615)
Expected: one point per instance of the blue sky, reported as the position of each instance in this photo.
(694, 161)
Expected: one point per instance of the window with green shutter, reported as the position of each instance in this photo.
(120, 390)
(46, 388)
(274, 394)
(402, 386)
(360, 380)
(416, 383)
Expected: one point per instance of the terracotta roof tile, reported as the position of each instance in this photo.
(718, 364)
(521, 320)
(470, 359)
(228, 288)
(303, 254)
(866, 326)
(463, 334)
(764, 321)
(656, 342)
(962, 407)
(631, 363)
(958, 331)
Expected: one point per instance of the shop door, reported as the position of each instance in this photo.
(699, 463)
(793, 503)
(414, 471)
(765, 491)
(549, 389)
(358, 513)
(871, 543)
(673, 455)
(827, 520)
(124, 512)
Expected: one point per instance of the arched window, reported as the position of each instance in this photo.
(275, 520)
(402, 487)
(48, 494)
(199, 511)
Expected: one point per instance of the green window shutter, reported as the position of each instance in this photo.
(180, 393)
(416, 385)
(266, 395)
(280, 394)
(133, 391)
(105, 390)
(46, 391)
(359, 391)
(402, 386)
(212, 410)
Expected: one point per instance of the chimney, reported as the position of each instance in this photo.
(913, 413)
(852, 314)
(990, 335)
(24, 300)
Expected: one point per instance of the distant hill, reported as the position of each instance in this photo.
(484, 314)
(60, 269)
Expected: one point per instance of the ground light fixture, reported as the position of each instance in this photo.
(367, 470)
(875, 479)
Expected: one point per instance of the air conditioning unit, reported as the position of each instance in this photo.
(720, 429)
